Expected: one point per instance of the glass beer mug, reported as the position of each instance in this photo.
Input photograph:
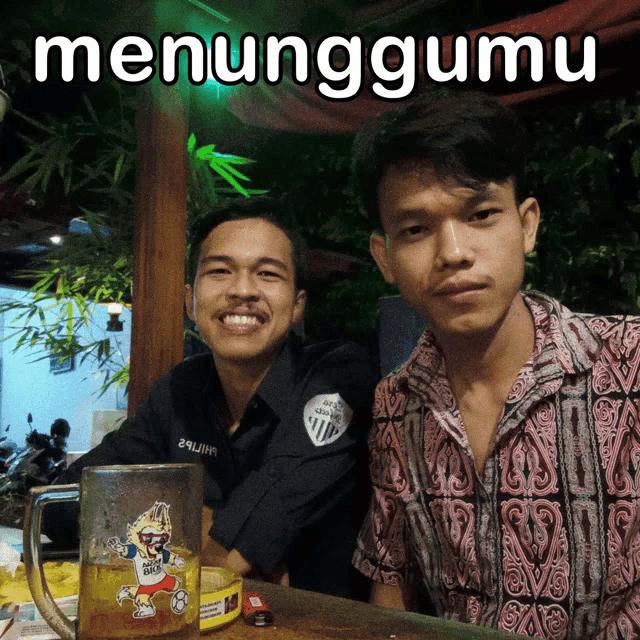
(140, 537)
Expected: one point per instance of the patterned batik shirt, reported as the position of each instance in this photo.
(546, 540)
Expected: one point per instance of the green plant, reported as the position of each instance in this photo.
(92, 159)
(311, 175)
(585, 165)
(584, 168)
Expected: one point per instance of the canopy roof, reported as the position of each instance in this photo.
(288, 106)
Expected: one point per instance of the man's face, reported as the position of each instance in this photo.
(455, 253)
(243, 299)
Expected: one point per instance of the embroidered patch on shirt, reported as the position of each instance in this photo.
(326, 418)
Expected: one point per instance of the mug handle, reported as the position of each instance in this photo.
(39, 497)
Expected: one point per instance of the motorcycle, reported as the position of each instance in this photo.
(37, 464)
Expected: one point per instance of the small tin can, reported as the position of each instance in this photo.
(256, 610)
(220, 597)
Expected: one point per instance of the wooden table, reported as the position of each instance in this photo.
(305, 615)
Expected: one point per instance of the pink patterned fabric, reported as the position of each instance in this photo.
(546, 541)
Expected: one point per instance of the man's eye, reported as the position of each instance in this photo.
(216, 271)
(483, 214)
(414, 230)
(272, 275)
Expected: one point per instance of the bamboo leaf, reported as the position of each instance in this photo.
(251, 192)
(234, 171)
(118, 171)
(34, 123)
(191, 143)
(94, 224)
(69, 318)
(25, 163)
(231, 180)
(231, 159)
(206, 152)
(208, 186)
(635, 162)
(91, 110)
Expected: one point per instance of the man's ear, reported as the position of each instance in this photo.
(299, 307)
(529, 211)
(380, 253)
(188, 302)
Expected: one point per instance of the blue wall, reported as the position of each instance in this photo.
(27, 385)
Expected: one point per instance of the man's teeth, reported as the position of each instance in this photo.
(241, 320)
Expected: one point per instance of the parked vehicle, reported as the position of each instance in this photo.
(39, 462)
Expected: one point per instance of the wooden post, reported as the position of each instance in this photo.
(160, 230)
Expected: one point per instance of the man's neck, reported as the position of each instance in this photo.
(493, 359)
(239, 381)
(481, 372)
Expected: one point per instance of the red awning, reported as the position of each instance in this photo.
(298, 108)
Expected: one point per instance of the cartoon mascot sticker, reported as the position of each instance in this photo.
(148, 538)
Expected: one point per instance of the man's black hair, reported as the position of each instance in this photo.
(464, 137)
(256, 207)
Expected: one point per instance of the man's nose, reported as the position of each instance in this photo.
(243, 285)
(454, 246)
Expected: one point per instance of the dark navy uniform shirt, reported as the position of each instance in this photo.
(290, 485)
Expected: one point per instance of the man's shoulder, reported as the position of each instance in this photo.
(345, 361)
(393, 381)
(334, 378)
(614, 330)
(602, 340)
(196, 367)
(618, 334)
(187, 380)
(608, 325)
(391, 396)
(200, 363)
(396, 380)
(601, 324)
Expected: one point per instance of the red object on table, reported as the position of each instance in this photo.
(255, 609)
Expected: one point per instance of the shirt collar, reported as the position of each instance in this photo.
(277, 386)
(563, 341)
(561, 335)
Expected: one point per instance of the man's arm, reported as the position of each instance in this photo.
(215, 555)
(383, 551)
(291, 498)
(620, 616)
(140, 439)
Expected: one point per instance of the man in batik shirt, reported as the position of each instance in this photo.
(505, 451)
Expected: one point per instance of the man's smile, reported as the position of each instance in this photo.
(244, 299)
(242, 321)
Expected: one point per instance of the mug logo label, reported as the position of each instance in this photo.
(326, 417)
(147, 541)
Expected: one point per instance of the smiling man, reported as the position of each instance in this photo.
(504, 452)
(280, 428)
